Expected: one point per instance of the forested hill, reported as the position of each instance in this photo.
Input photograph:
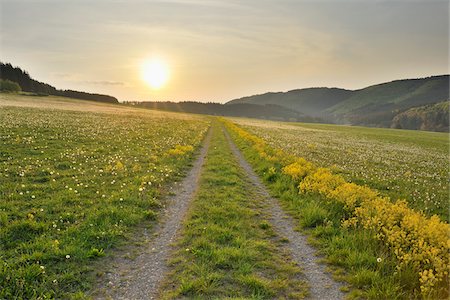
(27, 84)
(432, 117)
(311, 101)
(375, 105)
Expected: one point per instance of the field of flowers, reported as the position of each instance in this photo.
(73, 183)
(388, 249)
(401, 164)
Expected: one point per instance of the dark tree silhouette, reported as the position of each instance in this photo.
(27, 84)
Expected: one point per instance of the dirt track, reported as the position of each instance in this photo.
(321, 285)
(140, 278)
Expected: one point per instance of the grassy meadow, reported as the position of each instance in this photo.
(402, 164)
(75, 177)
(227, 248)
(381, 247)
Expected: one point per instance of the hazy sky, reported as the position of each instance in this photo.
(218, 50)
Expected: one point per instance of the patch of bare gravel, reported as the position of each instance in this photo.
(321, 284)
(140, 277)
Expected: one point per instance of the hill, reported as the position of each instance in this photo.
(433, 117)
(375, 105)
(28, 84)
(249, 110)
(310, 101)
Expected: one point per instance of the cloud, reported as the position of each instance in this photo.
(252, 46)
(63, 75)
(104, 82)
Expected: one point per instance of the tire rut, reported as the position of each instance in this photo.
(321, 285)
(140, 278)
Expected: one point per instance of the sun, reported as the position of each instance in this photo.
(155, 73)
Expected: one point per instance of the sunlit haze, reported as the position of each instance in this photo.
(155, 72)
(220, 50)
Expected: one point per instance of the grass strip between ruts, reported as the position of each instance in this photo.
(227, 248)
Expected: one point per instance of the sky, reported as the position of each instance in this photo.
(219, 50)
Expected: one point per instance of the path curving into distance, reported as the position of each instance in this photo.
(141, 277)
(321, 285)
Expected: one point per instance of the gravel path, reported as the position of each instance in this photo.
(322, 286)
(140, 278)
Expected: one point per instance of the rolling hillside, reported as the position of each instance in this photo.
(375, 105)
(311, 101)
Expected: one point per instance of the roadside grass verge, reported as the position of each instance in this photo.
(227, 248)
(400, 164)
(74, 185)
(357, 254)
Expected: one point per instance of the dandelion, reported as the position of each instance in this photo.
(427, 251)
(83, 162)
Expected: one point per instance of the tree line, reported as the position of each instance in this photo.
(27, 84)
(267, 111)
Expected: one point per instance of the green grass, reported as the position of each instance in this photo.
(435, 141)
(401, 164)
(354, 254)
(73, 184)
(77, 177)
(228, 249)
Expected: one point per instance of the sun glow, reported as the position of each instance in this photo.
(155, 73)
